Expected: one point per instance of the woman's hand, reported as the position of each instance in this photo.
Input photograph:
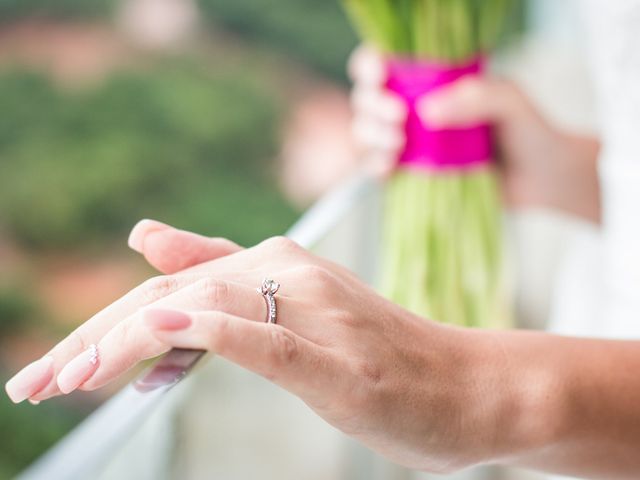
(541, 165)
(425, 395)
(401, 384)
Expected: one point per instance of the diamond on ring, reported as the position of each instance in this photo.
(93, 354)
(269, 287)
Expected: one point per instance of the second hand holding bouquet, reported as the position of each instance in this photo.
(442, 252)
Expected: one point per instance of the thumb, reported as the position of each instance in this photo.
(472, 100)
(171, 250)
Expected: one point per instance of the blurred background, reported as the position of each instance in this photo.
(178, 110)
(226, 117)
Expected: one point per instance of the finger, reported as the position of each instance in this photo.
(366, 67)
(129, 342)
(272, 351)
(371, 135)
(275, 254)
(95, 328)
(31, 379)
(472, 100)
(171, 250)
(379, 104)
(239, 269)
(380, 165)
(282, 250)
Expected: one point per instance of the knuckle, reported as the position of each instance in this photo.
(283, 349)
(392, 138)
(212, 292)
(363, 389)
(280, 244)
(346, 319)
(129, 333)
(316, 274)
(365, 128)
(78, 340)
(395, 110)
(157, 287)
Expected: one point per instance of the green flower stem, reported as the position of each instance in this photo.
(442, 231)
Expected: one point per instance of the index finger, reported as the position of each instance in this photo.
(171, 250)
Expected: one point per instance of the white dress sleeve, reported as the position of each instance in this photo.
(614, 29)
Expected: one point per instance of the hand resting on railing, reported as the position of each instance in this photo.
(426, 395)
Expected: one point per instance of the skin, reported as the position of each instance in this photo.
(426, 395)
(540, 165)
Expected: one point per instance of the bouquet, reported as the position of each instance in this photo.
(442, 252)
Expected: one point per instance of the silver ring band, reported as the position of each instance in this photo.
(268, 290)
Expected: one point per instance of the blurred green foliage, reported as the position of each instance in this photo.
(175, 143)
(17, 308)
(11, 10)
(315, 32)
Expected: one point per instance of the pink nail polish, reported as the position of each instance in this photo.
(30, 380)
(164, 319)
(79, 370)
(141, 230)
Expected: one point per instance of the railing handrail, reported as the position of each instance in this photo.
(89, 446)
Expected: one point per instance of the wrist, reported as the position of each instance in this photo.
(519, 407)
(576, 186)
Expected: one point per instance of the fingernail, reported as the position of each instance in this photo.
(164, 319)
(79, 370)
(141, 230)
(30, 380)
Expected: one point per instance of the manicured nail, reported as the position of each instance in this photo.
(165, 319)
(79, 370)
(141, 230)
(30, 380)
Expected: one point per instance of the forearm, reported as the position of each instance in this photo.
(564, 405)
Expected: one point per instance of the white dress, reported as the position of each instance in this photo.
(599, 294)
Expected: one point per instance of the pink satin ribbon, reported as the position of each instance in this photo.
(436, 149)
